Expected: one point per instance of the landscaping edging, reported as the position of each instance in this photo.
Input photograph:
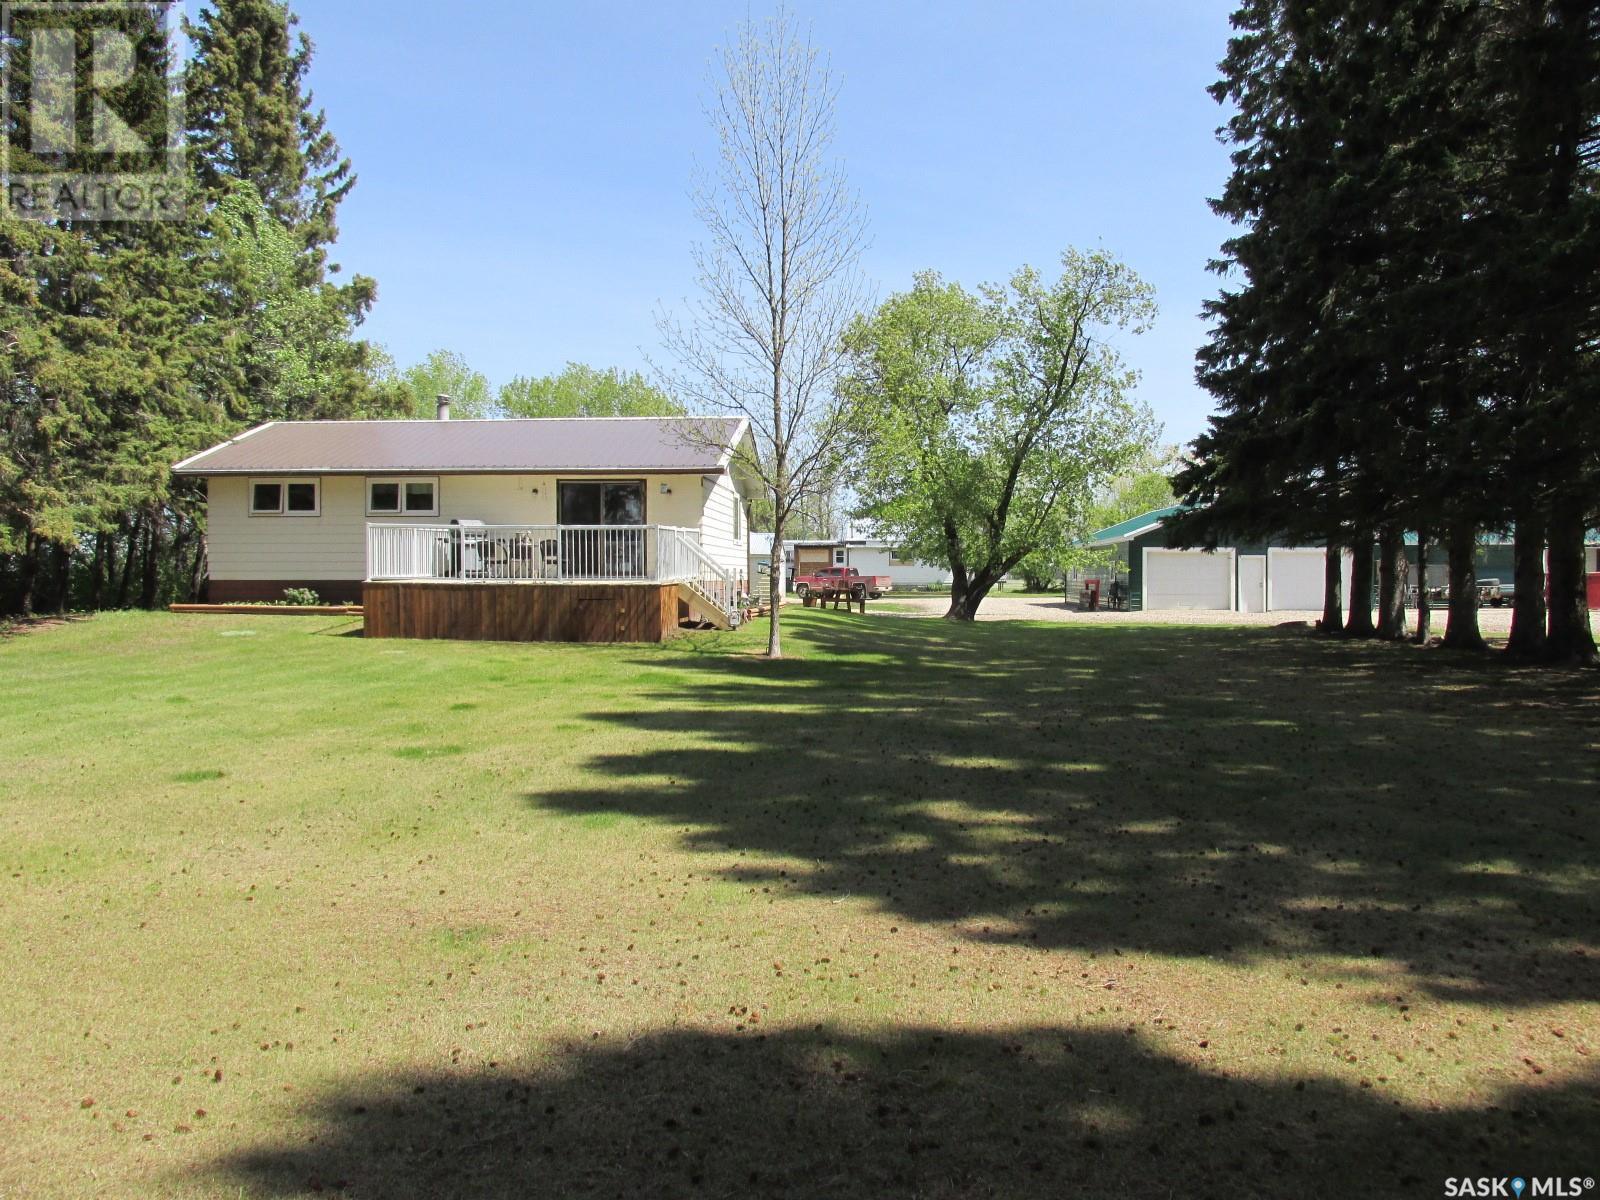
(271, 610)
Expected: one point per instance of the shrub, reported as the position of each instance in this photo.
(300, 596)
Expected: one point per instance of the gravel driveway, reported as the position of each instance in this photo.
(1018, 608)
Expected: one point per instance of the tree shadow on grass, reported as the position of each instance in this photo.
(924, 1113)
(1202, 792)
(16, 626)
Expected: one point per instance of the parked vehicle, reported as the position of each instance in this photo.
(829, 582)
(1493, 593)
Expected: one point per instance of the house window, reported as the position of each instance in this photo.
(602, 533)
(838, 556)
(895, 555)
(285, 498)
(266, 499)
(738, 517)
(403, 497)
(600, 503)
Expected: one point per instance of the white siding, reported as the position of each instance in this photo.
(333, 545)
(1189, 579)
(1296, 578)
(875, 560)
(718, 538)
(330, 546)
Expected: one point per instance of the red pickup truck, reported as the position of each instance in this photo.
(828, 582)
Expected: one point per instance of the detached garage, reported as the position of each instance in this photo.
(1295, 577)
(1258, 577)
(1188, 579)
(1244, 578)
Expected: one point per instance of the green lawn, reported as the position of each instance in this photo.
(1004, 910)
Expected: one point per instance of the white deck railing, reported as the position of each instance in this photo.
(551, 553)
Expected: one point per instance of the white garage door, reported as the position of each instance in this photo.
(1188, 579)
(1294, 579)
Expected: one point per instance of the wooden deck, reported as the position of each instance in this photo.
(527, 611)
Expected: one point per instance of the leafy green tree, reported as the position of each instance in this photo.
(584, 391)
(446, 373)
(991, 420)
(1139, 492)
(1146, 487)
(296, 345)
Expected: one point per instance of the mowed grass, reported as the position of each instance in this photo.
(1005, 910)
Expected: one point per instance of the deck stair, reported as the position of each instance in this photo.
(703, 609)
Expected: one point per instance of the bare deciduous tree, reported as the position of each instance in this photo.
(777, 272)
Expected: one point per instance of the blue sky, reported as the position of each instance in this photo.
(525, 167)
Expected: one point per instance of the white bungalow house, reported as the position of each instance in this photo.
(604, 528)
(870, 555)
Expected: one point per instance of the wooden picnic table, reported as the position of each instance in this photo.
(820, 600)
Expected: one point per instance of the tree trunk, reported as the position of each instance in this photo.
(1570, 640)
(149, 577)
(1424, 605)
(1359, 623)
(97, 571)
(197, 570)
(130, 555)
(959, 580)
(63, 579)
(1392, 583)
(775, 586)
(972, 594)
(1527, 603)
(1333, 589)
(958, 596)
(106, 596)
(965, 598)
(1461, 630)
(29, 575)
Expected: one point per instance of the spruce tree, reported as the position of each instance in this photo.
(107, 322)
(266, 162)
(1540, 90)
(252, 120)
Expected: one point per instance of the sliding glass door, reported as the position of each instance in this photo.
(610, 542)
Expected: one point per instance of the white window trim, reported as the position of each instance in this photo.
(282, 510)
(402, 480)
(838, 556)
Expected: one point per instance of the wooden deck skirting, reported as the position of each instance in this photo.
(522, 611)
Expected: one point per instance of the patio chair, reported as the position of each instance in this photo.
(522, 551)
(494, 558)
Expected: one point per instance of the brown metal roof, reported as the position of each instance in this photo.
(507, 446)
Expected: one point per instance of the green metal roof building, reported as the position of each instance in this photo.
(1263, 576)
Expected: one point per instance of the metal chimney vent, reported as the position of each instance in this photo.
(444, 407)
